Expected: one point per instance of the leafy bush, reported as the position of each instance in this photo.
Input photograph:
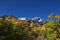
(14, 29)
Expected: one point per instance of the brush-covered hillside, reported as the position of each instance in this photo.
(12, 28)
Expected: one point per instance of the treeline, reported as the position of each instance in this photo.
(12, 28)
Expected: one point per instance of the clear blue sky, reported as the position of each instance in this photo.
(30, 8)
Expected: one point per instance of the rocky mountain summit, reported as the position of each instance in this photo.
(36, 20)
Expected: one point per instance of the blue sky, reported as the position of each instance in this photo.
(30, 8)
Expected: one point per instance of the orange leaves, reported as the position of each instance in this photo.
(58, 17)
(31, 24)
(35, 29)
(49, 16)
(20, 22)
(42, 28)
(1, 19)
(14, 22)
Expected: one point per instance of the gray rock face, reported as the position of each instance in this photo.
(36, 20)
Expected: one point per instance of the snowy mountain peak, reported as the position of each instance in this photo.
(36, 20)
